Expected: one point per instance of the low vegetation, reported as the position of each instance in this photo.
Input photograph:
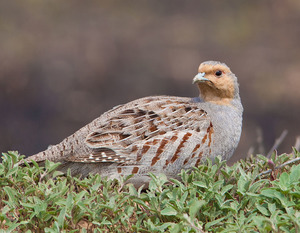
(210, 198)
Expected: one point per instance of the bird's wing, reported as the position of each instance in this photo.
(141, 122)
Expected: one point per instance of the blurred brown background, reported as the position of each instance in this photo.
(63, 63)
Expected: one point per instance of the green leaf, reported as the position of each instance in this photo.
(51, 166)
(271, 193)
(169, 211)
(12, 171)
(295, 174)
(61, 218)
(175, 228)
(213, 223)
(272, 207)
(195, 207)
(242, 182)
(11, 193)
(226, 188)
(69, 201)
(15, 225)
(268, 193)
(262, 209)
(200, 184)
(284, 181)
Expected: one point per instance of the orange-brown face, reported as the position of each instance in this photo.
(216, 83)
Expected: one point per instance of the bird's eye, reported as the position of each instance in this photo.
(218, 73)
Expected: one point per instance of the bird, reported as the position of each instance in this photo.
(157, 134)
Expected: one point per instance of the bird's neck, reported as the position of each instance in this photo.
(216, 96)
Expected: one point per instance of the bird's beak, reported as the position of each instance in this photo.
(200, 78)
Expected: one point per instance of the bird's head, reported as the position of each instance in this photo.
(216, 83)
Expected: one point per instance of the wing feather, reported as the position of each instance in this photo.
(136, 123)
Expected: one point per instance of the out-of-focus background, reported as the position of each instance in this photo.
(63, 63)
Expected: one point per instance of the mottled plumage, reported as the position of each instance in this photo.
(159, 134)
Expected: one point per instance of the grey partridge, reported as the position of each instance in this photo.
(158, 134)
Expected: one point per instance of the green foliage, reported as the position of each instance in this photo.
(210, 198)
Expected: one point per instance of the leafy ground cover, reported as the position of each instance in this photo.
(210, 198)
